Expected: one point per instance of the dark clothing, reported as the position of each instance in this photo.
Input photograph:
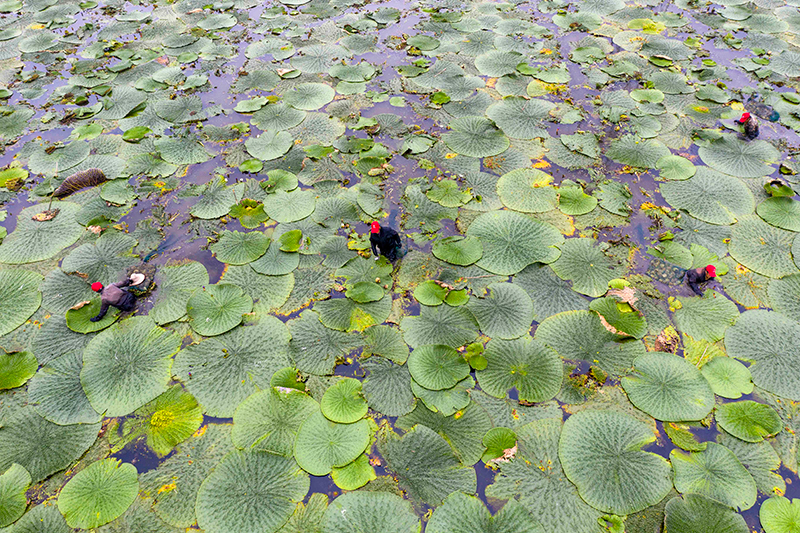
(695, 276)
(750, 128)
(387, 242)
(115, 295)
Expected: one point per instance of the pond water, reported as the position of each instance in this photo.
(532, 155)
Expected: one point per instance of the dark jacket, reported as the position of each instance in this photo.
(695, 276)
(387, 243)
(115, 295)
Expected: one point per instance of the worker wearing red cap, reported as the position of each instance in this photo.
(115, 295)
(700, 275)
(750, 125)
(384, 241)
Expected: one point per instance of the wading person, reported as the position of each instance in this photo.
(700, 275)
(384, 241)
(116, 295)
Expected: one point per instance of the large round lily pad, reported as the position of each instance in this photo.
(437, 367)
(525, 364)
(343, 402)
(128, 365)
(19, 292)
(748, 420)
(98, 494)
(35, 240)
(697, 514)
(270, 145)
(250, 491)
(222, 371)
(585, 263)
(780, 212)
(728, 377)
(322, 444)
(457, 250)
(768, 341)
(710, 196)
(16, 369)
(269, 419)
(715, 473)
(739, 157)
(370, 511)
(579, 335)
(451, 326)
(13, 484)
(601, 454)
(763, 248)
(309, 96)
(467, 514)
(512, 241)
(475, 137)
(218, 308)
(668, 388)
(505, 313)
(291, 206)
(238, 248)
(779, 515)
(57, 394)
(527, 190)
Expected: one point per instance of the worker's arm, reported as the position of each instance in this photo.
(102, 313)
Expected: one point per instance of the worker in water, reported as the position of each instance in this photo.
(385, 242)
(750, 125)
(116, 295)
(700, 275)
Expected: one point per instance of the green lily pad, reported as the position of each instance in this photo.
(13, 485)
(128, 365)
(467, 514)
(697, 514)
(527, 190)
(740, 158)
(309, 96)
(625, 322)
(674, 167)
(584, 263)
(579, 335)
(762, 248)
(710, 196)
(176, 284)
(56, 392)
(271, 144)
(250, 491)
(430, 293)
(458, 250)
(497, 441)
(633, 151)
(780, 212)
(16, 369)
(426, 466)
(220, 383)
(715, 473)
(475, 137)
(784, 294)
(98, 494)
(437, 367)
(748, 420)
(218, 308)
(322, 444)
(512, 241)
(33, 240)
(287, 207)
(766, 340)
(354, 475)
(291, 241)
(601, 453)
(269, 420)
(706, 318)
(343, 402)
(365, 292)
(370, 511)
(779, 515)
(344, 314)
(728, 377)
(521, 118)
(525, 364)
(506, 312)
(668, 388)
(237, 248)
(387, 387)
(573, 201)
(451, 326)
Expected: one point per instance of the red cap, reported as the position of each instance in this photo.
(745, 117)
(711, 270)
(375, 227)
(97, 286)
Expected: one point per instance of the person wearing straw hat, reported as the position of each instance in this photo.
(116, 295)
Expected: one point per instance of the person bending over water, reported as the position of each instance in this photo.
(700, 275)
(116, 295)
(385, 242)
